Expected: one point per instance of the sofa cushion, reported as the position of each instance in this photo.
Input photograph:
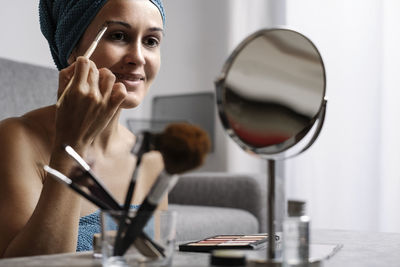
(24, 87)
(227, 190)
(198, 222)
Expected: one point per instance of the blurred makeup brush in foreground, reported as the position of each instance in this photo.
(183, 147)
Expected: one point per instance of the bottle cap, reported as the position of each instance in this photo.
(296, 208)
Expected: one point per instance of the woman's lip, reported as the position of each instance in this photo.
(130, 80)
(130, 84)
(129, 76)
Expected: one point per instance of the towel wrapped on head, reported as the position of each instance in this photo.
(63, 22)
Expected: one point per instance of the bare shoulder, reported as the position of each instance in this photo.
(25, 147)
(20, 180)
(14, 134)
(19, 148)
(27, 140)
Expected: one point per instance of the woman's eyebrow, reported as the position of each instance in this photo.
(156, 29)
(126, 25)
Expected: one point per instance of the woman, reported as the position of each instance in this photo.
(38, 214)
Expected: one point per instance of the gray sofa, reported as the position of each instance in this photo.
(207, 203)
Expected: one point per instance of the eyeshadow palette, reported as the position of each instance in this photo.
(226, 242)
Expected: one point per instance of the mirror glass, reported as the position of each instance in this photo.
(271, 90)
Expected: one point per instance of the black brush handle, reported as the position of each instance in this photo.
(158, 247)
(101, 192)
(161, 186)
(141, 146)
(123, 220)
(143, 215)
(91, 198)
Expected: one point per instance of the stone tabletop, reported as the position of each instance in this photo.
(357, 249)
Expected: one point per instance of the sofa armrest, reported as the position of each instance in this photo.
(241, 191)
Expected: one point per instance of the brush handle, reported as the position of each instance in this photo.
(131, 188)
(68, 182)
(122, 223)
(143, 215)
(60, 100)
(92, 199)
(162, 185)
(87, 54)
(101, 192)
(144, 243)
(151, 243)
(138, 150)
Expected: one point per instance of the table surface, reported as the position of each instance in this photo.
(364, 249)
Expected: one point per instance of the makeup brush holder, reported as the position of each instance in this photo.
(161, 229)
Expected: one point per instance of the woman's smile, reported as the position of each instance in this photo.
(130, 80)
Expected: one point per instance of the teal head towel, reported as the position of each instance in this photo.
(63, 22)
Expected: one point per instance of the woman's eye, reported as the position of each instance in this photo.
(152, 42)
(118, 36)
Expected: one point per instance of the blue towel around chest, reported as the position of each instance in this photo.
(90, 225)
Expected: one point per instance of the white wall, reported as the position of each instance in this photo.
(390, 124)
(21, 39)
(339, 175)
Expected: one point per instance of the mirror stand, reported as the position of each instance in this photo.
(271, 252)
(272, 257)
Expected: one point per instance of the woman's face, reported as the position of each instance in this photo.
(130, 48)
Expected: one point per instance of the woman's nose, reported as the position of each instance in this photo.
(135, 55)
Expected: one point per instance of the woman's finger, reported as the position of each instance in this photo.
(118, 94)
(93, 82)
(64, 78)
(106, 83)
(81, 71)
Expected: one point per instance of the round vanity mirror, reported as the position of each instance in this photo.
(271, 91)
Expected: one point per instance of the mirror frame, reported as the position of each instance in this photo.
(277, 150)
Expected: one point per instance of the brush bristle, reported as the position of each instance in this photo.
(183, 146)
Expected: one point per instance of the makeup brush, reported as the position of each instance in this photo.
(87, 54)
(183, 147)
(144, 243)
(140, 147)
(68, 182)
(97, 189)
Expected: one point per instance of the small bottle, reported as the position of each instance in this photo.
(296, 235)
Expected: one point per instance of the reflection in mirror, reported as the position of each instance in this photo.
(270, 95)
(273, 90)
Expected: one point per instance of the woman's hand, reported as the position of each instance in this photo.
(90, 103)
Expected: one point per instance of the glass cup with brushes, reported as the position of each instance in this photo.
(183, 148)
